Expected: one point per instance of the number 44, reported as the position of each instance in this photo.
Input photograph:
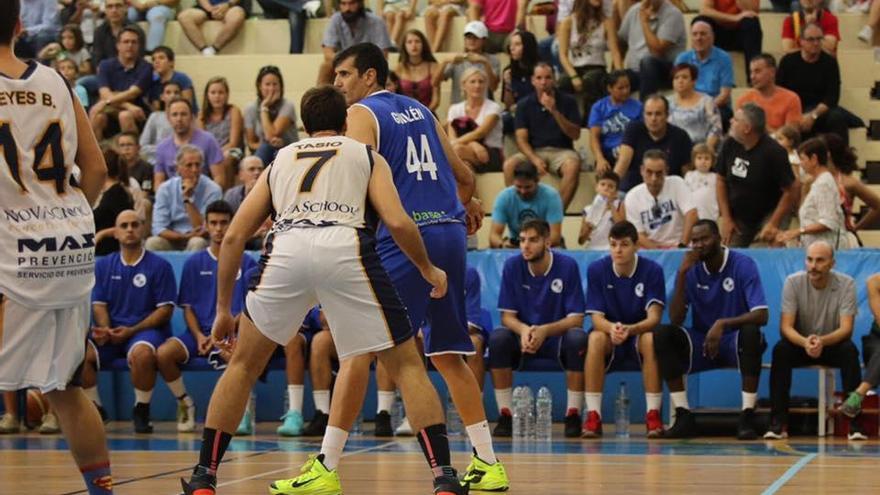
(417, 162)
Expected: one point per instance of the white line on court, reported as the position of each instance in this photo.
(789, 474)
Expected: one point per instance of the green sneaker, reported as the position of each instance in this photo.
(852, 406)
(292, 426)
(314, 479)
(484, 477)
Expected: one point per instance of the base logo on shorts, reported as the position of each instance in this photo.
(556, 285)
(728, 284)
(139, 280)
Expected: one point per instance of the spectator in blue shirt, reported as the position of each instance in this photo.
(41, 24)
(542, 315)
(526, 199)
(198, 298)
(132, 303)
(728, 308)
(608, 120)
(163, 72)
(181, 202)
(714, 66)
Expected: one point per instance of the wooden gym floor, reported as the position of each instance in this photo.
(151, 464)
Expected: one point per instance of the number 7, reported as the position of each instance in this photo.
(312, 174)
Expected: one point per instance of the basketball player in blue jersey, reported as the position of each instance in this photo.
(728, 308)
(626, 294)
(436, 190)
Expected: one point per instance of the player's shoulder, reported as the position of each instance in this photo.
(196, 258)
(105, 262)
(649, 266)
(564, 261)
(156, 262)
(600, 265)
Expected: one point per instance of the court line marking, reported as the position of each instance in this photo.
(789, 474)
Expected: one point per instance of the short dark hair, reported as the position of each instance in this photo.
(181, 100)
(624, 230)
(614, 76)
(609, 175)
(219, 206)
(323, 109)
(658, 97)
(544, 65)
(692, 69)
(815, 146)
(539, 225)
(168, 52)
(10, 12)
(712, 225)
(768, 59)
(655, 154)
(129, 134)
(366, 56)
(525, 170)
(129, 29)
(708, 20)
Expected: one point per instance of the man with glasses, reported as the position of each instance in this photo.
(104, 45)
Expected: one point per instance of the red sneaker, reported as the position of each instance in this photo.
(654, 424)
(592, 425)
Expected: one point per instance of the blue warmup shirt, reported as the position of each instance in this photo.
(624, 299)
(545, 298)
(735, 290)
(198, 287)
(132, 292)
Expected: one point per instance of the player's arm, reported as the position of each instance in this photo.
(600, 323)
(361, 126)
(678, 305)
(655, 314)
(192, 322)
(563, 325)
(159, 317)
(89, 157)
(101, 315)
(511, 321)
(757, 316)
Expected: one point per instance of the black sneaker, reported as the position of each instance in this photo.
(746, 428)
(383, 425)
(777, 431)
(317, 426)
(685, 425)
(201, 482)
(573, 423)
(449, 485)
(504, 428)
(140, 415)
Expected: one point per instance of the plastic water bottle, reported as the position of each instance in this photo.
(544, 415)
(621, 412)
(519, 423)
(453, 419)
(529, 404)
(397, 411)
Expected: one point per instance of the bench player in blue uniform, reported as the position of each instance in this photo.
(436, 190)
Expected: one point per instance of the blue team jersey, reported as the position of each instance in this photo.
(132, 292)
(545, 298)
(408, 140)
(735, 290)
(198, 287)
(624, 299)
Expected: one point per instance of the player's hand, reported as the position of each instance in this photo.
(474, 212)
(101, 335)
(525, 340)
(619, 333)
(713, 340)
(203, 344)
(223, 330)
(437, 278)
(539, 335)
(728, 228)
(690, 259)
(120, 335)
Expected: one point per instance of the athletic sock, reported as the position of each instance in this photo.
(332, 445)
(653, 401)
(98, 479)
(679, 399)
(384, 401)
(435, 446)
(92, 394)
(178, 389)
(481, 439)
(142, 396)
(575, 400)
(594, 402)
(504, 398)
(749, 400)
(322, 400)
(214, 445)
(295, 398)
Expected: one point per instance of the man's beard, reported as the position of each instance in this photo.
(351, 17)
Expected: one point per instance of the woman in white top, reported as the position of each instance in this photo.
(820, 214)
(584, 37)
(691, 110)
(474, 125)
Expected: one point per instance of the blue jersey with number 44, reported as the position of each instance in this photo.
(408, 140)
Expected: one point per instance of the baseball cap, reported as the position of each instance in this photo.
(476, 28)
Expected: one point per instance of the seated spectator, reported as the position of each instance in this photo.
(474, 125)
(526, 199)
(296, 358)
(815, 77)
(756, 187)
(609, 118)
(438, 18)
(132, 303)
(653, 132)
(542, 315)
(517, 76)
(843, 165)
(818, 310)
(198, 298)
(114, 199)
(737, 25)
(178, 221)
(231, 12)
(781, 106)
(249, 170)
(157, 13)
(866, 34)
(295, 12)
(163, 72)
(417, 69)
(702, 182)
(270, 122)
(618, 9)
(70, 46)
(40, 26)
(500, 17)
(626, 294)
(124, 82)
(186, 133)
(68, 70)
(661, 207)
(475, 34)
(158, 127)
(852, 406)
(396, 14)
(811, 12)
(714, 67)
(692, 111)
(353, 24)
(820, 215)
(651, 52)
(138, 169)
(105, 38)
(224, 121)
(547, 124)
(723, 290)
(584, 39)
(606, 210)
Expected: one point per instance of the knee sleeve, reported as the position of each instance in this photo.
(574, 348)
(672, 349)
(750, 347)
(503, 348)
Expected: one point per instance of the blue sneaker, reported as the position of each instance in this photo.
(292, 426)
(246, 426)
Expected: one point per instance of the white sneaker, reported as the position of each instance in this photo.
(859, 7)
(9, 424)
(186, 415)
(404, 430)
(49, 425)
(866, 35)
(209, 51)
(856, 435)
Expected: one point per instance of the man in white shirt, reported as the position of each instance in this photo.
(660, 207)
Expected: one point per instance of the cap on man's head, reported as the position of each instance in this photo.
(477, 28)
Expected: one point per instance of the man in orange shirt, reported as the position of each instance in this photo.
(738, 27)
(780, 105)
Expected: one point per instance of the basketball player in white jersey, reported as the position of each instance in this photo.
(47, 235)
(321, 192)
